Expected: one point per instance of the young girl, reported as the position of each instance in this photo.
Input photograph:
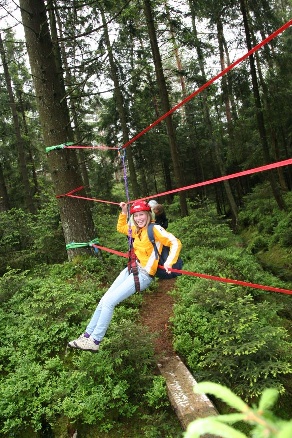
(124, 285)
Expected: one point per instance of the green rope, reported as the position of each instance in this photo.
(59, 146)
(73, 245)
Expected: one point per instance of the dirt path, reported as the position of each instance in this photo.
(155, 313)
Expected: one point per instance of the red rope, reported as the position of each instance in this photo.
(208, 277)
(193, 186)
(238, 282)
(226, 177)
(71, 191)
(199, 90)
(102, 147)
(112, 251)
(89, 199)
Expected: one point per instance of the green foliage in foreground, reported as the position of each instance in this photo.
(226, 333)
(262, 421)
(44, 386)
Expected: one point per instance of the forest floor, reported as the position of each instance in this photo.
(156, 310)
(155, 313)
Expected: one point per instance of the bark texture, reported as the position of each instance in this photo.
(55, 122)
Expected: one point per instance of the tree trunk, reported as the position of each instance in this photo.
(176, 54)
(191, 154)
(35, 187)
(229, 83)
(164, 161)
(227, 187)
(225, 91)
(165, 105)
(259, 111)
(4, 199)
(62, 57)
(121, 110)
(75, 214)
(22, 161)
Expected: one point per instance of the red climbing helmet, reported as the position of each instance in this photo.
(139, 206)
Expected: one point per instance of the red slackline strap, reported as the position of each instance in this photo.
(222, 73)
(226, 177)
(102, 147)
(229, 280)
(193, 186)
(208, 277)
(112, 251)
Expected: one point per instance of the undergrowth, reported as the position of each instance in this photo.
(232, 335)
(48, 390)
(229, 334)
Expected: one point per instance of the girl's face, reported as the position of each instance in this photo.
(141, 218)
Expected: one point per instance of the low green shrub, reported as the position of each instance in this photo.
(226, 333)
(157, 395)
(230, 341)
(41, 380)
(27, 242)
(283, 232)
(259, 243)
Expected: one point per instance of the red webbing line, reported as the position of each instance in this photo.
(92, 199)
(229, 280)
(71, 191)
(70, 195)
(223, 178)
(112, 251)
(206, 276)
(222, 73)
(193, 186)
(102, 147)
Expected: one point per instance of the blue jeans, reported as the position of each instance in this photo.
(122, 288)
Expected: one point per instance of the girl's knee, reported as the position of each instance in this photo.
(109, 303)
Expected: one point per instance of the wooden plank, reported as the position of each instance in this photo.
(180, 383)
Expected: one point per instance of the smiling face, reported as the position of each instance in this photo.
(141, 218)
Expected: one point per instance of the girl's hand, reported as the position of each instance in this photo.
(124, 208)
(167, 268)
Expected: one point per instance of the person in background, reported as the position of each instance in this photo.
(152, 204)
(144, 269)
(158, 213)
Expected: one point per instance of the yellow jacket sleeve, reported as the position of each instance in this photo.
(163, 237)
(144, 249)
(122, 225)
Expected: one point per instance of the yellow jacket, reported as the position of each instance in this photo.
(143, 247)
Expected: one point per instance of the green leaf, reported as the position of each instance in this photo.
(268, 398)
(223, 393)
(211, 425)
(231, 418)
(286, 432)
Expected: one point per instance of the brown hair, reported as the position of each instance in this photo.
(158, 209)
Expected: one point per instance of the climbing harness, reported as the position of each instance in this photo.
(132, 260)
(133, 268)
